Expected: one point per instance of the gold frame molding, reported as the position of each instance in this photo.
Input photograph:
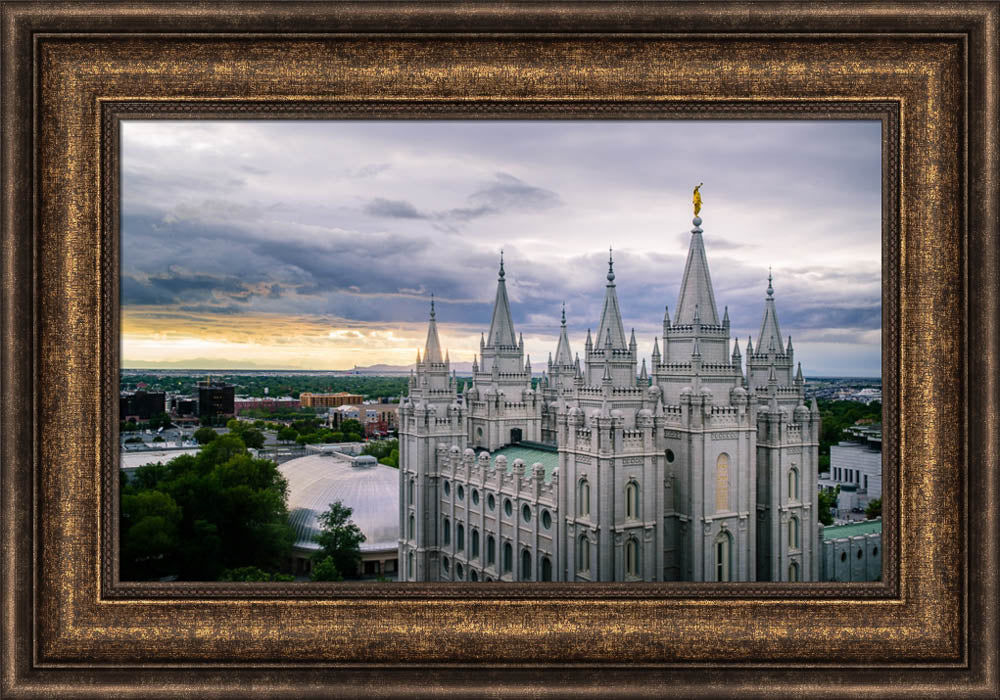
(70, 72)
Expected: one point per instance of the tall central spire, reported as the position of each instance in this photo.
(432, 348)
(502, 325)
(611, 317)
(696, 295)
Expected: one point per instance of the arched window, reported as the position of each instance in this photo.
(722, 483)
(473, 576)
(508, 557)
(632, 557)
(491, 550)
(475, 542)
(546, 569)
(459, 571)
(793, 571)
(723, 557)
(583, 554)
(460, 532)
(410, 492)
(412, 527)
(793, 484)
(447, 531)
(525, 565)
(409, 566)
(632, 500)
(793, 532)
(583, 497)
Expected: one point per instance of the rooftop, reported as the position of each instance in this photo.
(865, 527)
(530, 455)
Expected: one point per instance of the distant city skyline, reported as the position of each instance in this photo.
(317, 245)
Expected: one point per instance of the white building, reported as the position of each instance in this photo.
(699, 468)
(856, 467)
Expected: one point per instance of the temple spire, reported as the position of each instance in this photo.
(432, 348)
(502, 324)
(611, 317)
(563, 355)
(696, 295)
(770, 331)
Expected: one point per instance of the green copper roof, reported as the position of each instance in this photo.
(865, 527)
(530, 455)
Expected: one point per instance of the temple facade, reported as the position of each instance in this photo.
(700, 467)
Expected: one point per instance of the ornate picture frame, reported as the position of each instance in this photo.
(72, 72)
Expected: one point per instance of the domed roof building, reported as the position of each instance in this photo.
(369, 489)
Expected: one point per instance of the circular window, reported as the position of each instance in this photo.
(491, 502)
(546, 519)
(860, 554)
(874, 551)
(508, 507)
(444, 564)
(459, 572)
(447, 489)
(843, 556)
(460, 492)
(670, 455)
(526, 513)
(475, 497)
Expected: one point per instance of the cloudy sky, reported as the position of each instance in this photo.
(317, 245)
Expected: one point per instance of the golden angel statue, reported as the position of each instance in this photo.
(697, 198)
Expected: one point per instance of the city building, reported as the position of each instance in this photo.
(856, 467)
(377, 418)
(852, 552)
(701, 467)
(369, 489)
(343, 398)
(215, 398)
(141, 405)
(181, 406)
(268, 403)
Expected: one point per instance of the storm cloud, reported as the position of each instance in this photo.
(362, 221)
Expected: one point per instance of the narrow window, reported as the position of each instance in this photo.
(447, 531)
(525, 565)
(412, 527)
(722, 483)
(409, 566)
(632, 557)
(793, 484)
(491, 550)
(793, 571)
(793, 532)
(723, 554)
(546, 569)
(410, 492)
(632, 500)
(583, 498)
(583, 555)
(460, 532)
(475, 542)
(508, 557)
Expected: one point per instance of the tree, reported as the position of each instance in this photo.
(204, 435)
(149, 533)
(339, 539)
(160, 420)
(827, 503)
(159, 438)
(874, 509)
(352, 426)
(326, 570)
(288, 434)
(252, 573)
(253, 438)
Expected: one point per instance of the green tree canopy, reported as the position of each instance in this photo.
(204, 435)
(339, 539)
(351, 425)
(827, 503)
(874, 509)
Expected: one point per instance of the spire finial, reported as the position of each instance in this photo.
(564, 314)
(501, 264)
(432, 305)
(770, 279)
(611, 267)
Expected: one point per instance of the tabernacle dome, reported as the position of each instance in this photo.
(369, 489)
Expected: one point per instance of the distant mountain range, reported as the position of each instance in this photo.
(464, 368)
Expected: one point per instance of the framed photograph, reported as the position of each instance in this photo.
(610, 472)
